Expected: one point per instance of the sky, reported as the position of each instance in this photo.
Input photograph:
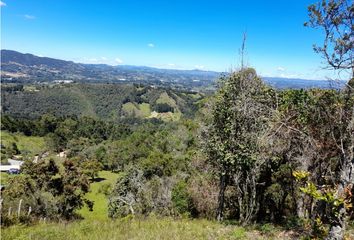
(178, 34)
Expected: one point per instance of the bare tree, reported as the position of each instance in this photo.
(335, 18)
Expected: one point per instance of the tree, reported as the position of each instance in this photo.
(232, 139)
(50, 191)
(335, 17)
(91, 168)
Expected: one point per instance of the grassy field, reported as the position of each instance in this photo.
(32, 144)
(132, 228)
(145, 109)
(100, 200)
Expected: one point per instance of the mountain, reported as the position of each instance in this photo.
(28, 68)
(297, 83)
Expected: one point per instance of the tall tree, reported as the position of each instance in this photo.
(232, 139)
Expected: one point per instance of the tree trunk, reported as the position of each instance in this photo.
(337, 229)
(221, 198)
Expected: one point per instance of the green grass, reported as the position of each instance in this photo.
(32, 144)
(130, 109)
(100, 208)
(164, 98)
(145, 109)
(4, 178)
(131, 228)
(137, 110)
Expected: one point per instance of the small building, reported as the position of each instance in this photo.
(13, 164)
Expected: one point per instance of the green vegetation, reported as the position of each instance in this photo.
(154, 163)
(232, 160)
(135, 228)
(102, 101)
(4, 178)
(26, 144)
(99, 189)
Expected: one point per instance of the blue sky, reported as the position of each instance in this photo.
(184, 34)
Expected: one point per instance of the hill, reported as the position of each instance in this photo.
(103, 101)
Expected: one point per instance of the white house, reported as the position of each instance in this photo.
(12, 164)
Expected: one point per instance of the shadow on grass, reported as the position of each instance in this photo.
(98, 179)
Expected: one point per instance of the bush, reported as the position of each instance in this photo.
(180, 198)
(158, 164)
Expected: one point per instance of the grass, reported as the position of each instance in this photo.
(138, 110)
(145, 109)
(32, 144)
(164, 98)
(100, 208)
(130, 109)
(131, 228)
(4, 178)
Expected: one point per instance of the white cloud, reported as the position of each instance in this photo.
(171, 64)
(118, 60)
(200, 67)
(103, 58)
(151, 45)
(93, 59)
(281, 69)
(2, 4)
(29, 17)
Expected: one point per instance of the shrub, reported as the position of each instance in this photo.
(180, 198)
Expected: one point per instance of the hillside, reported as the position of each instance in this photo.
(103, 101)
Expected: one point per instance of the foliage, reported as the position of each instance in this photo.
(91, 168)
(45, 191)
(181, 200)
(239, 118)
(110, 102)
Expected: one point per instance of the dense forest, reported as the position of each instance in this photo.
(102, 101)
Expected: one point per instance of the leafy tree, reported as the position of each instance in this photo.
(47, 190)
(91, 168)
(239, 119)
(75, 185)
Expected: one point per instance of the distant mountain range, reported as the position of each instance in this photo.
(28, 68)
